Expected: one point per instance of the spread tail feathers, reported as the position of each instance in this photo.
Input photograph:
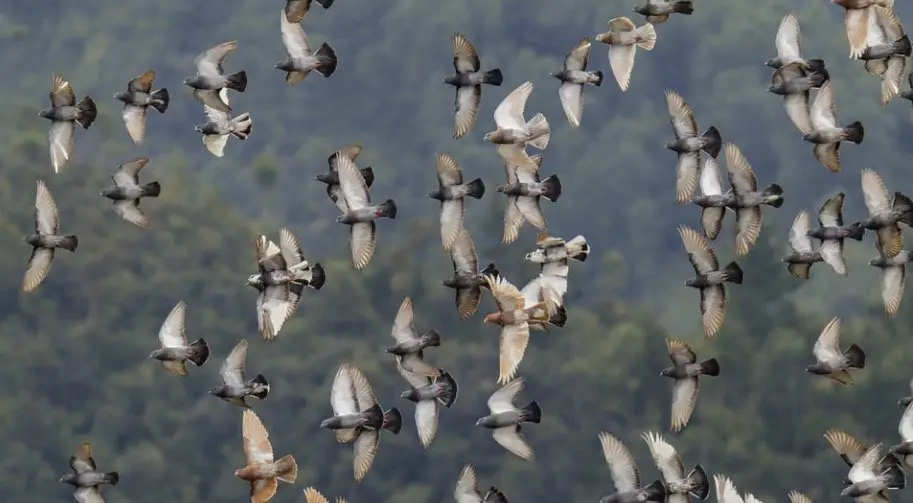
(237, 81)
(551, 187)
(733, 273)
(368, 174)
(326, 55)
(199, 352)
(902, 46)
(855, 132)
(710, 367)
(903, 205)
(86, 112)
(773, 195)
(388, 209)
(713, 140)
(475, 189)
(494, 495)
(160, 100)
(855, 357)
(326, 4)
(683, 7)
(532, 413)
(70, 243)
(700, 483)
(287, 469)
(647, 36)
(432, 338)
(318, 276)
(152, 189)
(243, 126)
(559, 319)
(655, 491)
(375, 417)
(393, 421)
(578, 249)
(493, 77)
(856, 231)
(449, 395)
(599, 76)
(539, 131)
(894, 477)
(111, 478)
(260, 387)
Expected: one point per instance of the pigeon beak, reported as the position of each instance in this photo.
(479, 422)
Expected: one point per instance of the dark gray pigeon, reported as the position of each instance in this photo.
(788, 42)
(523, 190)
(793, 81)
(685, 370)
(331, 177)
(573, 77)
(127, 192)
(679, 486)
(220, 125)
(86, 478)
(505, 419)
(175, 351)
(428, 394)
(832, 232)
(907, 400)
(137, 99)
(467, 280)
(885, 212)
(709, 279)
(64, 114)
(210, 77)
(358, 212)
(802, 255)
(658, 11)
(887, 48)
(409, 346)
(831, 361)
(300, 59)
(451, 193)
(713, 201)
(626, 476)
(235, 388)
(295, 10)
(45, 239)
(748, 200)
(868, 478)
(468, 81)
(905, 429)
(827, 135)
(467, 489)
(893, 278)
(688, 145)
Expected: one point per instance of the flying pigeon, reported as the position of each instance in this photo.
(358, 213)
(45, 239)
(886, 52)
(127, 192)
(235, 388)
(793, 81)
(709, 279)
(885, 212)
(468, 82)
(831, 361)
(832, 232)
(467, 280)
(175, 351)
(893, 278)
(748, 200)
(278, 296)
(624, 38)
(688, 145)
(851, 450)
(452, 193)
(573, 77)
(211, 79)
(523, 190)
(626, 476)
(905, 429)
(300, 59)
(505, 419)
(857, 22)
(514, 133)
(868, 478)
(686, 372)
(802, 255)
(86, 478)
(137, 99)
(63, 114)
(260, 470)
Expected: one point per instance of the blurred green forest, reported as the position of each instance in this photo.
(73, 359)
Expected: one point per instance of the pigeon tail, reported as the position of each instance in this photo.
(326, 55)
(855, 132)
(368, 174)
(855, 357)
(387, 209)
(559, 319)
(160, 100)
(712, 140)
(287, 469)
(475, 189)
(70, 243)
(494, 495)
(773, 195)
(599, 76)
(733, 273)
(449, 394)
(393, 421)
(904, 206)
(902, 46)
(242, 126)
(656, 491)
(700, 483)
(855, 231)
(532, 413)
(710, 367)
(551, 188)
(894, 477)
(259, 387)
(539, 131)
(578, 249)
(152, 189)
(318, 276)
(199, 352)
(646, 35)
(237, 81)
(493, 77)
(326, 4)
(683, 7)
(111, 478)
(86, 112)
(432, 338)
(818, 77)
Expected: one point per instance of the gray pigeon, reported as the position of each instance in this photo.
(300, 59)
(523, 190)
(709, 279)
(63, 114)
(451, 193)
(428, 394)
(278, 294)
(831, 361)
(45, 239)
(137, 99)
(788, 42)
(295, 10)
(552, 254)
(688, 145)
(851, 450)
(793, 81)
(713, 201)
(626, 476)
(907, 400)
(409, 346)
(467, 489)
(893, 278)
(573, 77)
(679, 486)
(868, 478)
(832, 232)
(220, 125)
(175, 351)
(685, 370)
(85, 476)
(827, 135)
(127, 192)
(905, 429)
(211, 79)
(467, 280)
(357, 211)
(331, 177)
(802, 255)
(658, 11)
(514, 133)
(886, 52)
(748, 200)
(505, 419)
(885, 213)
(235, 388)
(468, 82)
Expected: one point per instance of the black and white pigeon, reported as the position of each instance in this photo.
(300, 59)
(64, 114)
(211, 79)
(127, 192)
(468, 82)
(45, 239)
(176, 351)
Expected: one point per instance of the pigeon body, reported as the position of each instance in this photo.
(709, 279)
(263, 473)
(176, 351)
(300, 59)
(514, 133)
(137, 100)
(467, 489)
(64, 113)
(523, 190)
(234, 388)
(85, 477)
(788, 42)
(467, 280)
(831, 361)
(468, 81)
(505, 419)
(686, 371)
(514, 317)
(658, 11)
(45, 239)
(867, 478)
(550, 250)
(747, 199)
(626, 476)
(331, 177)
(573, 77)
(827, 135)
(127, 192)
(428, 394)
(885, 212)
(688, 145)
(713, 201)
(624, 38)
(679, 486)
(409, 346)
(220, 125)
(857, 21)
(451, 193)
(887, 48)
(210, 79)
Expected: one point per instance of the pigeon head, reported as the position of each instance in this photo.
(775, 88)
(69, 478)
(817, 368)
(557, 75)
(436, 195)
(110, 192)
(641, 9)
(46, 113)
(771, 62)
(287, 65)
(254, 280)
(605, 37)
(691, 282)
(672, 145)
(323, 177)
(192, 81)
(123, 96)
(156, 354)
(411, 395)
(485, 421)
(495, 318)
(495, 137)
(667, 372)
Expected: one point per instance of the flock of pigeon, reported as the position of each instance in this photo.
(876, 36)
